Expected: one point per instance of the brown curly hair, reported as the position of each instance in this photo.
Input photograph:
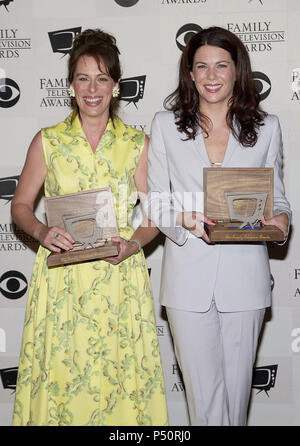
(102, 47)
(244, 104)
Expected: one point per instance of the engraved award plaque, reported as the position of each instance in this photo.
(90, 218)
(237, 198)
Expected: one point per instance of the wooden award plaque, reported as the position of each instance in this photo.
(236, 198)
(90, 218)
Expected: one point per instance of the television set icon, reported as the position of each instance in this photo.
(5, 3)
(264, 378)
(246, 207)
(132, 89)
(62, 40)
(84, 228)
(8, 187)
(9, 377)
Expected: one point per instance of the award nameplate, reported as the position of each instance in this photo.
(237, 198)
(90, 218)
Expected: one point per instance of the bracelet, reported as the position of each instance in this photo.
(138, 243)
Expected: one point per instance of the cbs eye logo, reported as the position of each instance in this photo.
(185, 33)
(9, 92)
(262, 83)
(126, 3)
(13, 284)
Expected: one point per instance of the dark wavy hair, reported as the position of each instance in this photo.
(102, 47)
(244, 104)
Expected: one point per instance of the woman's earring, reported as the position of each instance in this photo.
(71, 92)
(115, 91)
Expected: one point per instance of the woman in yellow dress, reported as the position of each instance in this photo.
(90, 353)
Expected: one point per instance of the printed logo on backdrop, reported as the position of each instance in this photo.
(257, 36)
(2, 340)
(132, 89)
(184, 34)
(8, 187)
(5, 3)
(9, 377)
(262, 83)
(177, 386)
(260, 1)
(160, 330)
(126, 3)
(141, 127)
(9, 92)
(295, 345)
(296, 277)
(13, 238)
(264, 378)
(296, 84)
(62, 40)
(13, 285)
(182, 2)
(11, 45)
(54, 92)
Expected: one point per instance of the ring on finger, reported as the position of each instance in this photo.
(56, 234)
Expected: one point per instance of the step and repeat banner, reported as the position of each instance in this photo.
(35, 40)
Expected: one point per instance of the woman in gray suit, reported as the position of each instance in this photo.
(215, 294)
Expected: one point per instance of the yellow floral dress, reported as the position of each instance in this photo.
(90, 353)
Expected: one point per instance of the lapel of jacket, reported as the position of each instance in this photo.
(232, 145)
(199, 146)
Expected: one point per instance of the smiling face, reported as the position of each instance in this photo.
(93, 88)
(214, 75)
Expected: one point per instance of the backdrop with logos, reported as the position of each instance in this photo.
(35, 40)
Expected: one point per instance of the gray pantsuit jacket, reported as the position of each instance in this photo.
(193, 272)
